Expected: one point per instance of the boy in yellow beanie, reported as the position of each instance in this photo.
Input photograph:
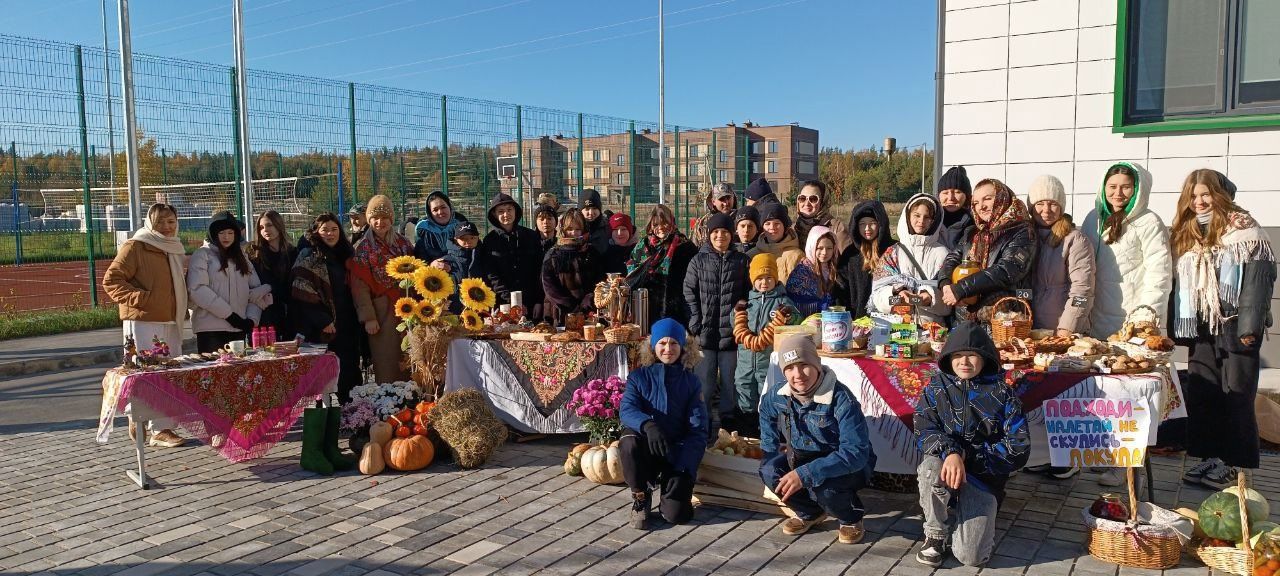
(767, 307)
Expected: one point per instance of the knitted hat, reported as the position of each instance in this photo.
(621, 220)
(758, 190)
(380, 205)
(1047, 187)
(720, 220)
(763, 264)
(955, 179)
(465, 229)
(796, 348)
(666, 327)
(746, 213)
(590, 199)
(548, 199)
(774, 211)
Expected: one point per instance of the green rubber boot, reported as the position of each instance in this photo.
(331, 450)
(314, 423)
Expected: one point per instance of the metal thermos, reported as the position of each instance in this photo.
(640, 309)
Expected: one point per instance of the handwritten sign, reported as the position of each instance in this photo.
(1106, 432)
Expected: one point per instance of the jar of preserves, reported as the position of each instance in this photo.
(1266, 555)
(1110, 507)
(966, 269)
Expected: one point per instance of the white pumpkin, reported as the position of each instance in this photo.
(602, 464)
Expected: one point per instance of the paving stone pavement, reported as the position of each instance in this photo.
(66, 507)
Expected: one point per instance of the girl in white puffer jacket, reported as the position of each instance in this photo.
(1134, 266)
(910, 265)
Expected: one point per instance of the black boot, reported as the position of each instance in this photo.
(640, 504)
(332, 452)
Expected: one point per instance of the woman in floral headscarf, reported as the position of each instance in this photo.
(658, 263)
(1002, 242)
(375, 291)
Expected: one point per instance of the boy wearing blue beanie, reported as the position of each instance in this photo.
(664, 434)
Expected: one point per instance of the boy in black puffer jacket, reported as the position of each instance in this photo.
(970, 427)
(715, 282)
(511, 256)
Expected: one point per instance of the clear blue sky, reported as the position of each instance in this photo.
(857, 70)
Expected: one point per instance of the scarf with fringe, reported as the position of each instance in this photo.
(1210, 276)
(177, 253)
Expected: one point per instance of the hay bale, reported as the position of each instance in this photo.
(471, 430)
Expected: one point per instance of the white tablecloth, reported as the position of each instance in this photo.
(477, 364)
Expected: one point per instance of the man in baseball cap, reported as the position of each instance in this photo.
(817, 452)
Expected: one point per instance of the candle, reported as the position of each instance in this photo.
(505, 308)
(517, 298)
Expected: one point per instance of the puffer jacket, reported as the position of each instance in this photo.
(215, 293)
(855, 283)
(980, 418)
(139, 280)
(670, 396)
(1138, 269)
(787, 251)
(896, 271)
(831, 427)
(713, 284)
(1063, 284)
(512, 260)
(434, 240)
(598, 235)
(1010, 265)
(570, 273)
(752, 367)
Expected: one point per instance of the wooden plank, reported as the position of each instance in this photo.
(749, 505)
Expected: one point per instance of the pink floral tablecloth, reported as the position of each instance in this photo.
(251, 404)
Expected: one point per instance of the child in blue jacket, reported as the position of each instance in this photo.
(664, 419)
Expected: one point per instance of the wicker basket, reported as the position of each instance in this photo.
(1157, 357)
(622, 334)
(1232, 559)
(1002, 331)
(1153, 546)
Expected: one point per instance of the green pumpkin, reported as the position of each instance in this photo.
(1220, 517)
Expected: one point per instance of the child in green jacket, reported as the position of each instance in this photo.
(753, 323)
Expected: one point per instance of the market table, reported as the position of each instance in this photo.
(888, 392)
(249, 404)
(529, 383)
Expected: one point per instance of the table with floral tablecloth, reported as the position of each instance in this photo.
(529, 383)
(889, 390)
(248, 405)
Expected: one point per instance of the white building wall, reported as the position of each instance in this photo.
(1029, 90)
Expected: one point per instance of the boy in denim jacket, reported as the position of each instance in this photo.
(817, 453)
(971, 429)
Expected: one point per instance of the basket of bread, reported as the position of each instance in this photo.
(1140, 335)
(1047, 341)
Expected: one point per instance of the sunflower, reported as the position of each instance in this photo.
(403, 267)
(427, 311)
(405, 308)
(471, 320)
(476, 295)
(432, 283)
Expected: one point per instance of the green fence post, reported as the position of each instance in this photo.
(235, 131)
(580, 137)
(17, 206)
(631, 163)
(485, 165)
(519, 155)
(84, 172)
(355, 165)
(93, 164)
(164, 167)
(676, 178)
(279, 165)
(403, 194)
(444, 145)
(373, 172)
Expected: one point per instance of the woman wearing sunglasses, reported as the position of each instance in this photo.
(812, 210)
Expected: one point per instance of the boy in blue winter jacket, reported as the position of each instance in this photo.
(664, 419)
(972, 433)
(754, 321)
(817, 452)
(463, 259)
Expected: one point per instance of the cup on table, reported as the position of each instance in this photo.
(505, 308)
(236, 347)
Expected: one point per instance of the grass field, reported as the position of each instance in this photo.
(46, 322)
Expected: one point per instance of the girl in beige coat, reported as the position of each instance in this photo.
(1062, 287)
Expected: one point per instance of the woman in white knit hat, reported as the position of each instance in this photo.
(1063, 281)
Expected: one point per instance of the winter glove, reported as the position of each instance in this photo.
(741, 306)
(657, 444)
(240, 323)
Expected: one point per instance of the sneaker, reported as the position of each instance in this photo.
(1064, 472)
(1037, 469)
(1220, 477)
(1195, 473)
(166, 439)
(932, 552)
(797, 526)
(851, 533)
(640, 510)
(1112, 477)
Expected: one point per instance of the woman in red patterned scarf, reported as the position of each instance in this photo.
(658, 263)
(1002, 242)
(375, 292)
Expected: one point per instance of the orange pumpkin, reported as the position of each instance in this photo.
(403, 431)
(403, 417)
(406, 454)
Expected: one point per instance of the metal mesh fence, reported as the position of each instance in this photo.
(318, 145)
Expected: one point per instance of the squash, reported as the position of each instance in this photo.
(380, 433)
(602, 464)
(408, 454)
(1220, 517)
(371, 461)
(1258, 507)
(573, 461)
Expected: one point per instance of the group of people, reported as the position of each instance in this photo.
(1208, 278)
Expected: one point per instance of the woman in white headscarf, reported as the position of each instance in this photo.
(146, 280)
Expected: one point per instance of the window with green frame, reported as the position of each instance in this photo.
(1202, 64)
